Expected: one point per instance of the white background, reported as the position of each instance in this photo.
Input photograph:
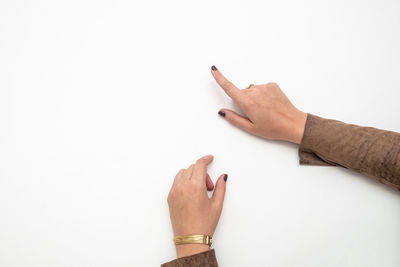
(102, 102)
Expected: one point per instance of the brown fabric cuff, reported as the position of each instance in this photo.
(312, 132)
(370, 151)
(204, 259)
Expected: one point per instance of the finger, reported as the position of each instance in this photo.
(178, 177)
(209, 183)
(230, 89)
(219, 191)
(189, 172)
(200, 169)
(237, 120)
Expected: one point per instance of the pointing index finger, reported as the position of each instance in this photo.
(230, 89)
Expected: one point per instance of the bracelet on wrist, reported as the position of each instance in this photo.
(193, 239)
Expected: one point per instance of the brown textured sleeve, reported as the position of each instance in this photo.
(204, 259)
(368, 150)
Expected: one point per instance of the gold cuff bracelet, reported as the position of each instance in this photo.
(193, 239)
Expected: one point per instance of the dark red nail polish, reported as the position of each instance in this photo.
(225, 177)
(221, 113)
(214, 68)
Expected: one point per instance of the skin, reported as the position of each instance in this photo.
(191, 210)
(268, 114)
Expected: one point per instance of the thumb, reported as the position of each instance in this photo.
(219, 191)
(236, 119)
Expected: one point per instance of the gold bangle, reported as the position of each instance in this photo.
(193, 239)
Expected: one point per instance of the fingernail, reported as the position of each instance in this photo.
(214, 68)
(225, 177)
(221, 113)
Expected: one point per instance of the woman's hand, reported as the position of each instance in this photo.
(269, 113)
(191, 210)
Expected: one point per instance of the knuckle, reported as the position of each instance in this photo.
(180, 171)
(272, 84)
(197, 186)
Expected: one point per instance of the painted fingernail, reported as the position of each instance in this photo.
(221, 113)
(225, 177)
(214, 68)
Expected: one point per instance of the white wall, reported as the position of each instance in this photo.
(102, 102)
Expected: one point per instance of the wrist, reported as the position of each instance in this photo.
(299, 123)
(190, 249)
